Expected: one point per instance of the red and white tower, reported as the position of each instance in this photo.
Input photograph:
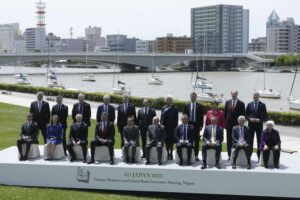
(40, 11)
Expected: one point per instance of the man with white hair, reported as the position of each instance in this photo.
(169, 118)
(82, 108)
(270, 141)
(106, 108)
(241, 141)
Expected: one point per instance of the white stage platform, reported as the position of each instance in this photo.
(283, 182)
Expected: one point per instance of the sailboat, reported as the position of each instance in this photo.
(87, 77)
(294, 103)
(268, 92)
(154, 80)
(52, 79)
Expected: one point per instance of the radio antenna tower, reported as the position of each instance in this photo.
(71, 33)
(40, 11)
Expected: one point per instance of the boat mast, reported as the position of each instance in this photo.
(197, 65)
(204, 50)
(153, 60)
(264, 69)
(294, 78)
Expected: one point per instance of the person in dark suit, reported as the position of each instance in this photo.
(125, 110)
(106, 108)
(41, 113)
(145, 116)
(131, 137)
(233, 109)
(270, 141)
(62, 112)
(256, 114)
(28, 136)
(169, 118)
(213, 138)
(78, 136)
(104, 136)
(82, 108)
(184, 138)
(195, 113)
(241, 141)
(155, 138)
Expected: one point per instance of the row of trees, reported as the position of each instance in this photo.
(287, 60)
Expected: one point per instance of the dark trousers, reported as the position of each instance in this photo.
(189, 147)
(218, 149)
(197, 129)
(257, 128)
(43, 129)
(143, 136)
(159, 151)
(64, 143)
(97, 143)
(276, 156)
(169, 141)
(246, 148)
(229, 140)
(126, 152)
(120, 128)
(28, 143)
(83, 145)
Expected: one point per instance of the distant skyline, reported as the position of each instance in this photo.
(143, 19)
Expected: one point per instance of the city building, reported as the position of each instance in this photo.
(173, 44)
(220, 29)
(35, 39)
(258, 44)
(116, 42)
(282, 36)
(53, 43)
(94, 39)
(72, 45)
(145, 46)
(9, 34)
(130, 44)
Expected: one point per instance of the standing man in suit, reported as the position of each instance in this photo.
(78, 136)
(62, 112)
(241, 141)
(125, 110)
(169, 118)
(82, 108)
(155, 138)
(195, 113)
(106, 108)
(28, 136)
(104, 136)
(41, 113)
(233, 109)
(184, 138)
(145, 116)
(213, 138)
(256, 114)
(131, 134)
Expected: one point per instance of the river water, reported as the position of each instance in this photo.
(177, 84)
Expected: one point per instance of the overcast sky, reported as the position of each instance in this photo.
(144, 19)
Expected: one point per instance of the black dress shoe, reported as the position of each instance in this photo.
(147, 163)
(84, 161)
(25, 158)
(72, 159)
(218, 166)
(127, 161)
(143, 156)
(249, 166)
(203, 166)
(171, 157)
(159, 163)
(197, 159)
(181, 163)
(91, 161)
(21, 158)
(112, 162)
(234, 166)
(276, 166)
(266, 166)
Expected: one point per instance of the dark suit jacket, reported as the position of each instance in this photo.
(29, 131)
(169, 117)
(231, 115)
(155, 136)
(261, 113)
(199, 113)
(208, 133)
(86, 115)
(62, 114)
(107, 133)
(43, 117)
(275, 138)
(131, 134)
(236, 134)
(123, 115)
(180, 133)
(143, 120)
(111, 113)
(79, 133)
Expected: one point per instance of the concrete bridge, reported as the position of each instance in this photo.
(133, 59)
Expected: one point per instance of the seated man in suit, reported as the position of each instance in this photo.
(155, 137)
(184, 138)
(28, 136)
(213, 138)
(104, 136)
(241, 141)
(131, 137)
(270, 141)
(78, 136)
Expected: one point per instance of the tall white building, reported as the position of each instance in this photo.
(9, 34)
(35, 39)
(145, 46)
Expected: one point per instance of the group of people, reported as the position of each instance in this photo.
(159, 132)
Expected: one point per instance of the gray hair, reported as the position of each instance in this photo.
(169, 97)
(270, 122)
(40, 93)
(81, 95)
(242, 117)
(79, 115)
(106, 97)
